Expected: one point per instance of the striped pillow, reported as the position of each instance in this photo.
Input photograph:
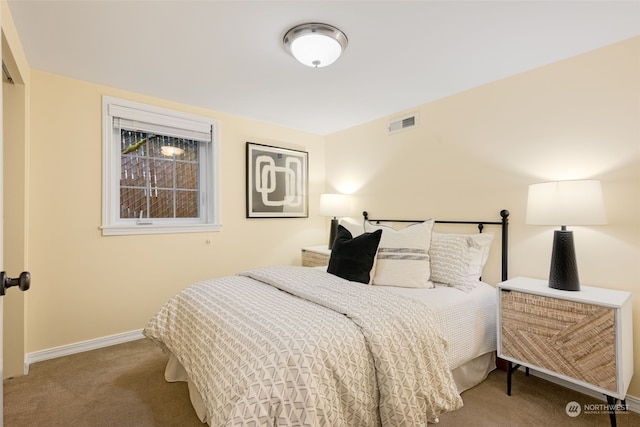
(403, 256)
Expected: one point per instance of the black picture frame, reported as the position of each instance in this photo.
(277, 182)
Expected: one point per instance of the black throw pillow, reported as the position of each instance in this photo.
(352, 258)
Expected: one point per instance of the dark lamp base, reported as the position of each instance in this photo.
(564, 269)
(332, 232)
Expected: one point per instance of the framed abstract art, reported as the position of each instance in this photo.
(277, 182)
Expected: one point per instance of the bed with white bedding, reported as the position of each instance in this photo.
(301, 346)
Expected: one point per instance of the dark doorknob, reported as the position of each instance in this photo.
(23, 282)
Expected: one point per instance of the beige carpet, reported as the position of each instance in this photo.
(124, 385)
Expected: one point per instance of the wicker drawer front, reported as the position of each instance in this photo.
(570, 338)
(314, 259)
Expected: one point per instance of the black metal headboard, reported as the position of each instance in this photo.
(504, 225)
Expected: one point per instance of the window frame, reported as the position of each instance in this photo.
(209, 161)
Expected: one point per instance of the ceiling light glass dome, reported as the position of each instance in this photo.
(314, 44)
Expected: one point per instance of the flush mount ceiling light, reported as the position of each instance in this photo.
(314, 44)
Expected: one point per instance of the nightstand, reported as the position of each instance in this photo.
(583, 337)
(315, 256)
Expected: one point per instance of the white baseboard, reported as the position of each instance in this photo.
(633, 403)
(66, 350)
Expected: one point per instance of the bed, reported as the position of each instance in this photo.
(290, 345)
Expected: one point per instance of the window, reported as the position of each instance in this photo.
(160, 170)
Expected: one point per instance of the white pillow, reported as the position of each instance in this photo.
(403, 256)
(450, 260)
(478, 252)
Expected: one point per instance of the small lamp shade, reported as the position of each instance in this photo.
(334, 205)
(565, 203)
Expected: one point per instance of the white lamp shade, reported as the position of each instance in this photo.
(335, 205)
(566, 203)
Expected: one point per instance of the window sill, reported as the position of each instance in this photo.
(124, 230)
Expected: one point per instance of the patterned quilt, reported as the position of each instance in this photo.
(296, 346)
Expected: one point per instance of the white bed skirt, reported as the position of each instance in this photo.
(175, 372)
(466, 376)
(474, 371)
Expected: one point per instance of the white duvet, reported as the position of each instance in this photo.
(298, 346)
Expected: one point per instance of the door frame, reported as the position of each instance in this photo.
(13, 149)
(1, 237)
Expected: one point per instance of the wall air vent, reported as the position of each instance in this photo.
(403, 123)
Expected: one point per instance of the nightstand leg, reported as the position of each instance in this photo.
(611, 403)
(510, 368)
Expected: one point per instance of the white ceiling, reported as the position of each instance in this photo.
(228, 55)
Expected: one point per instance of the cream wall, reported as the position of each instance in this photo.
(475, 153)
(87, 286)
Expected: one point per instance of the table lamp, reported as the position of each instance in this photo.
(334, 205)
(565, 203)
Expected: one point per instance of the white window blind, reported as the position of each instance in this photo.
(147, 121)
